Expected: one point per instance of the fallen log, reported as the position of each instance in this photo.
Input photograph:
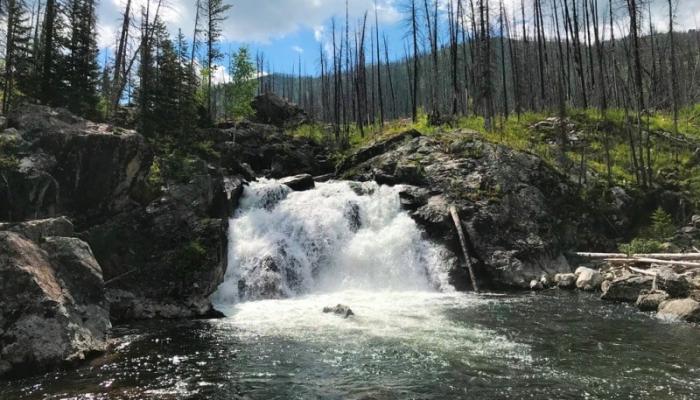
(657, 256)
(646, 260)
(465, 249)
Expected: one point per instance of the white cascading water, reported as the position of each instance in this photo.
(339, 236)
(293, 253)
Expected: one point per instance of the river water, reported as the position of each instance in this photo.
(412, 337)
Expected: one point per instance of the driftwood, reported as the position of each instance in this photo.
(465, 249)
(645, 260)
(656, 256)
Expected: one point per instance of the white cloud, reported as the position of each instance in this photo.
(298, 49)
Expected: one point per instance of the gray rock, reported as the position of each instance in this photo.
(626, 288)
(299, 182)
(588, 278)
(35, 230)
(565, 281)
(52, 304)
(165, 260)
(649, 300)
(675, 285)
(683, 309)
(73, 167)
(272, 109)
(340, 309)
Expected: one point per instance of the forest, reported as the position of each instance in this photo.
(462, 61)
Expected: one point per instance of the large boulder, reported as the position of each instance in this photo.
(565, 281)
(274, 110)
(68, 165)
(165, 260)
(588, 278)
(683, 309)
(53, 310)
(626, 288)
(519, 214)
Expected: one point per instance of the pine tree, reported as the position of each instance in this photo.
(83, 73)
(18, 54)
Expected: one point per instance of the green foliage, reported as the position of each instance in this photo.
(8, 161)
(241, 90)
(661, 225)
(190, 258)
(155, 178)
(641, 246)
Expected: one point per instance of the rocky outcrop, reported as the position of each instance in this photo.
(53, 310)
(70, 166)
(274, 110)
(519, 214)
(256, 150)
(165, 260)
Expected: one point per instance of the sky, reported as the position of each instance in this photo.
(286, 31)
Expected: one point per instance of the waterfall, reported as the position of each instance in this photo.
(338, 236)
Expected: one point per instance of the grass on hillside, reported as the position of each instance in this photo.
(668, 158)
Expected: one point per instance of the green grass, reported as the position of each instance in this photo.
(517, 133)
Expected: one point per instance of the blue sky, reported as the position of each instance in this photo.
(286, 30)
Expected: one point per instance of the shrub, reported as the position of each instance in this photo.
(640, 246)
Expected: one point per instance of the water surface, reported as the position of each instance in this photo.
(400, 345)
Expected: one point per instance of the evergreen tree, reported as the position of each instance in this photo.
(83, 73)
(18, 54)
(51, 71)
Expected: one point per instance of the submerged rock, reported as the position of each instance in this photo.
(340, 309)
(299, 182)
(588, 278)
(649, 300)
(626, 288)
(53, 310)
(684, 309)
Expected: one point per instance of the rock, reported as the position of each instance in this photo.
(342, 310)
(324, 177)
(165, 260)
(272, 109)
(37, 229)
(536, 285)
(413, 197)
(52, 304)
(588, 278)
(684, 309)
(649, 300)
(545, 281)
(565, 281)
(675, 285)
(72, 167)
(626, 288)
(519, 214)
(253, 150)
(299, 182)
